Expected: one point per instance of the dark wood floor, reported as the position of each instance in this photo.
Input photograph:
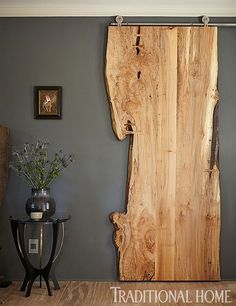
(91, 293)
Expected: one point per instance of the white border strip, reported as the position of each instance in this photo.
(54, 11)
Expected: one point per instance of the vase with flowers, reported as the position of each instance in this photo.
(39, 171)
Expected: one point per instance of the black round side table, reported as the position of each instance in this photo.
(18, 230)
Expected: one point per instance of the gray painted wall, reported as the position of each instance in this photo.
(70, 52)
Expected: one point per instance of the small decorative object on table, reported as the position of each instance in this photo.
(36, 215)
(39, 172)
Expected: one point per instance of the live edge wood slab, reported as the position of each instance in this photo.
(162, 88)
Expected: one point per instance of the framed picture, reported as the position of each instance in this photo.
(48, 102)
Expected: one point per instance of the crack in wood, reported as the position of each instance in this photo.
(129, 126)
(214, 160)
(137, 44)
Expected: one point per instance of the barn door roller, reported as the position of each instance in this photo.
(205, 22)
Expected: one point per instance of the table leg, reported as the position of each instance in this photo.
(47, 269)
(46, 278)
(54, 280)
(31, 271)
(52, 274)
(41, 253)
(24, 284)
(15, 231)
(30, 284)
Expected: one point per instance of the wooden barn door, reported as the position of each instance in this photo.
(162, 88)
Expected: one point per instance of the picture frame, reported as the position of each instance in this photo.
(48, 102)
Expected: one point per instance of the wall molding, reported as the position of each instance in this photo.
(99, 10)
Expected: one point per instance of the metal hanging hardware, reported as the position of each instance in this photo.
(205, 20)
(119, 20)
(205, 23)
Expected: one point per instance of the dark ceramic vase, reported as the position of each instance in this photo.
(41, 201)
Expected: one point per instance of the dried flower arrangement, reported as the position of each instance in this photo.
(34, 165)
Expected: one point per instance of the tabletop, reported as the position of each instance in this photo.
(26, 219)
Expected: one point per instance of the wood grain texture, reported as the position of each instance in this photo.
(12, 296)
(90, 293)
(4, 158)
(162, 88)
